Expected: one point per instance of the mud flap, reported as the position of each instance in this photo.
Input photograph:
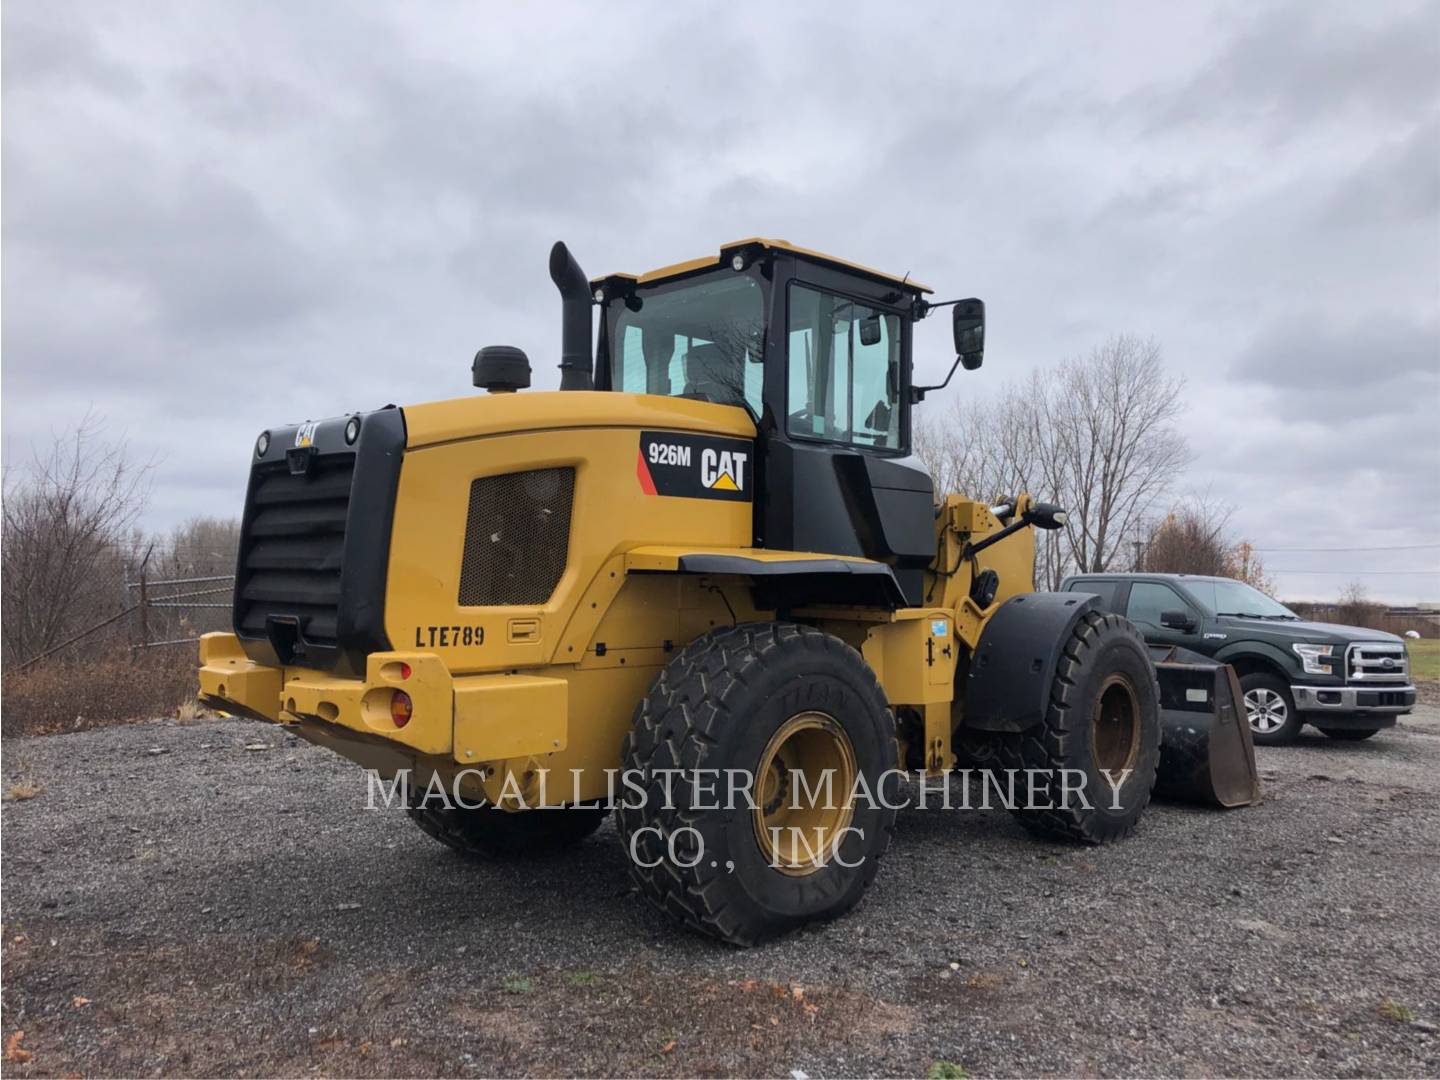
(1206, 755)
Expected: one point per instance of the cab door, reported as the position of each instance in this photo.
(838, 475)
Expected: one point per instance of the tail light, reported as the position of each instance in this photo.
(400, 708)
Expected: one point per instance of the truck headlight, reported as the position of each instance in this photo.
(1314, 658)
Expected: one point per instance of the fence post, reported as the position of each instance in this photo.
(144, 615)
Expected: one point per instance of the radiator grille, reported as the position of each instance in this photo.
(1377, 661)
(517, 537)
(291, 555)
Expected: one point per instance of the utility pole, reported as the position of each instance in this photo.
(1139, 546)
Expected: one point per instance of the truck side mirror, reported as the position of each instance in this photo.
(1177, 620)
(970, 333)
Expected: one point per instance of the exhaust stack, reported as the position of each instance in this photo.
(576, 361)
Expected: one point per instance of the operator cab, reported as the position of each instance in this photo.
(818, 351)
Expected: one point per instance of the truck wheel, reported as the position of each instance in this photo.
(486, 832)
(1350, 734)
(1270, 709)
(796, 721)
(1103, 719)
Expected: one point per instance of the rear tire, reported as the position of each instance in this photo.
(1350, 734)
(1104, 714)
(1270, 709)
(488, 833)
(785, 704)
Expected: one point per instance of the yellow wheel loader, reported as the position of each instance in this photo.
(705, 584)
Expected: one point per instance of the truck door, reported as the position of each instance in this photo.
(1149, 600)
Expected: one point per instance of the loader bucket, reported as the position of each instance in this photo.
(1206, 755)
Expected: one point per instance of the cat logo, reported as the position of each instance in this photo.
(305, 434)
(723, 470)
(685, 465)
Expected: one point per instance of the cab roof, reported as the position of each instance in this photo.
(706, 261)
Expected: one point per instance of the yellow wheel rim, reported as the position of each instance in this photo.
(803, 793)
(1115, 725)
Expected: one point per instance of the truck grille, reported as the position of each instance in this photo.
(292, 549)
(1377, 662)
(517, 537)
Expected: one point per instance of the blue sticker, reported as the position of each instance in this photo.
(939, 628)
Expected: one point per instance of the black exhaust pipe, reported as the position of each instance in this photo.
(576, 361)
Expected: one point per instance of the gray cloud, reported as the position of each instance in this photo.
(226, 216)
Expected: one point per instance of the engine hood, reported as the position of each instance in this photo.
(1319, 632)
(503, 414)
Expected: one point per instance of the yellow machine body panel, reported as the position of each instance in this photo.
(550, 687)
(481, 416)
(610, 516)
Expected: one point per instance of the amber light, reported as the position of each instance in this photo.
(400, 708)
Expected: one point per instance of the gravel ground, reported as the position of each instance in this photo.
(178, 904)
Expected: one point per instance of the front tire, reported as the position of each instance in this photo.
(783, 706)
(1103, 718)
(1270, 709)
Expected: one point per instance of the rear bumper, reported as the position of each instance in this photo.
(474, 719)
(1374, 701)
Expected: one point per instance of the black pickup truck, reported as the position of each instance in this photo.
(1347, 681)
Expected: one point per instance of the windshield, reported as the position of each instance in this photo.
(1237, 598)
(703, 339)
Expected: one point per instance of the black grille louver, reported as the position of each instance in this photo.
(517, 537)
(295, 547)
(315, 542)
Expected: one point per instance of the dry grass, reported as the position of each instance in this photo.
(22, 790)
(77, 695)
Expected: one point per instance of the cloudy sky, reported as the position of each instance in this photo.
(219, 216)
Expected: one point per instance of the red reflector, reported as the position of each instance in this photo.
(400, 708)
(404, 671)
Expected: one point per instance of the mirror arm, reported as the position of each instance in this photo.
(921, 308)
(917, 393)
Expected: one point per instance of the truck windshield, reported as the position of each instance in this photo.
(1237, 598)
(703, 339)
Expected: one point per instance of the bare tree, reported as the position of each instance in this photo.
(1245, 565)
(984, 448)
(992, 450)
(1096, 435)
(1112, 450)
(1355, 607)
(1190, 540)
(202, 547)
(67, 515)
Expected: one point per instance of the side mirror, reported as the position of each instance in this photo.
(970, 333)
(1177, 620)
(1046, 516)
(870, 330)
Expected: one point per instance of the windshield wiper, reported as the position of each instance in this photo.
(1292, 618)
(1240, 614)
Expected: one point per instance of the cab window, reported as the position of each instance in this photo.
(1149, 600)
(1107, 591)
(703, 340)
(844, 370)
